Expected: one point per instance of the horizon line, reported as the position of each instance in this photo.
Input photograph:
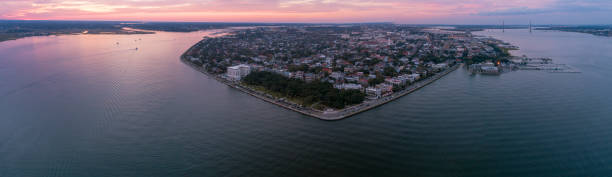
(312, 23)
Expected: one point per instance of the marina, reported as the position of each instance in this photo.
(521, 63)
(542, 64)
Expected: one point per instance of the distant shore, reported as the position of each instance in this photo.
(323, 115)
(9, 37)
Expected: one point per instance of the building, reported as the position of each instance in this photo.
(385, 88)
(414, 77)
(236, 73)
(440, 66)
(298, 75)
(397, 81)
(373, 92)
(348, 87)
(489, 68)
(485, 68)
(337, 75)
(193, 59)
(309, 77)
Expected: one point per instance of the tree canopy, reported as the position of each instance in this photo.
(309, 93)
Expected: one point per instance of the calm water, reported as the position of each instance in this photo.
(85, 106)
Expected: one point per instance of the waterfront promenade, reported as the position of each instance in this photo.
(323, 115)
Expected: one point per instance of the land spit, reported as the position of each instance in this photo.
(323, 115)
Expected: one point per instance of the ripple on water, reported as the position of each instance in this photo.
(145, 113)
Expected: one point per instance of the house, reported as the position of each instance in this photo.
(309, 77)
(385, 88)
(298, 75)
(348, 86)
(373, 92)
(414, 77)
(193, 59)
(440, 66)
(394, 81)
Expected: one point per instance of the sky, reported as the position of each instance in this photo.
(317, 11)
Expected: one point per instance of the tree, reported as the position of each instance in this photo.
(390, 71)
(379, 79)
(309, 93)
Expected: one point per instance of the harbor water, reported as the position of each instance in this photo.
(91, 105)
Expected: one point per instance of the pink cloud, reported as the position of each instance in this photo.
(400, 11)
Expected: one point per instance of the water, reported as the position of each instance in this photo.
(81, 105)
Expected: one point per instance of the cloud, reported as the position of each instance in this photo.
(400, 11)
(85, 6)
(560, 6)
(516, 11)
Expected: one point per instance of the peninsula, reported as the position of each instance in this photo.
(335, 71)
(16, 29)
(598, 30)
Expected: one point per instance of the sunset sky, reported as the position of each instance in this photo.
(331, 11)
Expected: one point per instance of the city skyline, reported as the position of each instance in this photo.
(316, 11)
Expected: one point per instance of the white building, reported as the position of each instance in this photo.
(192, 59)
(414, 77)
(396, 81)
(298, 75)
(348, 86)
(373, 92)
(440, 66)
(236, 73)
(489, 68)
(337, 75)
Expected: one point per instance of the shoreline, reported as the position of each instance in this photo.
(327, 116)
(13, 38)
